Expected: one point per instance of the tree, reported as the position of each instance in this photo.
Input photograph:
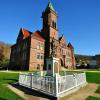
(1, 53)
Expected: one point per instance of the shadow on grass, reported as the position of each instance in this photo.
(33, 92)
(9, 81)
(2, 99)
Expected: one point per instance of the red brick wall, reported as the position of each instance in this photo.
(33, 55)
(16, 58)
(66, 55)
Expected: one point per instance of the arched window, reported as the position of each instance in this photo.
(53, 24)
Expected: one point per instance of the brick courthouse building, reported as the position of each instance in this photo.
(32, 48)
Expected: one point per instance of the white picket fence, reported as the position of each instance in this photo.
(54, 86)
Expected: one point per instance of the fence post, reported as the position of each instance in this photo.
(41, 73)
(31, 80)
(76, 81)
(56, 85)
(19, 78)
(85, 77)
(75, 77)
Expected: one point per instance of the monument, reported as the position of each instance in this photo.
(52, 62)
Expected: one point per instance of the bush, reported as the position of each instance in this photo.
(4, 63)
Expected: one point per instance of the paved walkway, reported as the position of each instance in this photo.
(81, 94)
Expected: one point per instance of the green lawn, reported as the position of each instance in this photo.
(5, 93)
(93, 77)
(92, 98)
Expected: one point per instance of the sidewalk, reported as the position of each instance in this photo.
(83, 93)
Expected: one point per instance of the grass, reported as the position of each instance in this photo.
(5, 93)
(92, 98)
(98, 90)
(93, 77)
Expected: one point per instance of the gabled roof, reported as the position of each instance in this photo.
(49, 6)
(70, 45)
(38, 35)
(23, 34)
(62, 37)
(26, 33)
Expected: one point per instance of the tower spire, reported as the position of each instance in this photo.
(50, 6)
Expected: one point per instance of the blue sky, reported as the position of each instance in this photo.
(79, 20)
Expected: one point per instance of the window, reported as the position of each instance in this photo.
(42, 56)
(55, 25)
(38, 66)
(62, 51)
(38, 55)
(68, 54)
(12, 58)
(68, 60)
(24, 45)
(24, 55)
(42, 46)
(38, 45)
(42, 65)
